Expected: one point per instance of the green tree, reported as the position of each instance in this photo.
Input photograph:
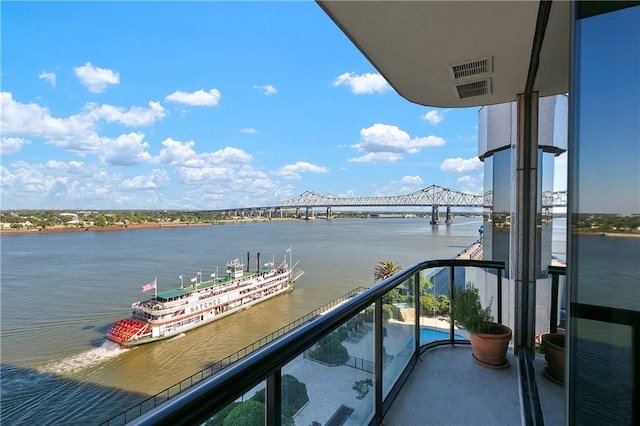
(442, 305)
(250, 412)
(385, 269)
(294, 396)
(100, 221)
(331, 350)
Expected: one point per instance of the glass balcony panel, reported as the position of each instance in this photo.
(337, 375)
(434, 305)
(250, 409)
(486, 281)
(398, 330)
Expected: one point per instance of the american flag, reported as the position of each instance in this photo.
(149, 286)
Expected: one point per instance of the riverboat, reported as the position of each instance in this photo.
(170, 313)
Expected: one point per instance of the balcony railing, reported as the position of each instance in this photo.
(173, 390)
(385, 324)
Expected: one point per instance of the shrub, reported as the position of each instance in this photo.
(442, 305)
(246, 413)
(331, 351)
(387, 312)
(468, 311)
(428, 304)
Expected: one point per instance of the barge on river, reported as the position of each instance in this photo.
(173, 312)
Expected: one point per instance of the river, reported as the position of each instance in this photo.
(61, 292)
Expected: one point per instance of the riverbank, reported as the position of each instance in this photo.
(63, 229)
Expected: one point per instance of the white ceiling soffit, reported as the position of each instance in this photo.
(424, 48)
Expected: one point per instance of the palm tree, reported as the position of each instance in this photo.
(385, 269)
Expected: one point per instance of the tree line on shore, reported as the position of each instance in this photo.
(51, 219)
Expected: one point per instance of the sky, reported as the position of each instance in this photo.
(208, 105)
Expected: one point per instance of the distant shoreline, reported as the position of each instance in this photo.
(57, 230)
(60, 230)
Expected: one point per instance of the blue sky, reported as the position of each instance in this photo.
(208, 105)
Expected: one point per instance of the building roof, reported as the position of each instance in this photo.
(417, 45)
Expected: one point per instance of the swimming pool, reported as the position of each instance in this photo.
(432, 334)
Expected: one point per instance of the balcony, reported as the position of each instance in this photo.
(395, 367)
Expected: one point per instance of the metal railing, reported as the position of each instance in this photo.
(173, 390)
(200, 402)
(555, 272)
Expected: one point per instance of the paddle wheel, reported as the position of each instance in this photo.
(125, 329)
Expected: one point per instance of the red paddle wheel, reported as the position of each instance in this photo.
(124, 330)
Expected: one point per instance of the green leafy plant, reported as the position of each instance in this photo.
(468, 311)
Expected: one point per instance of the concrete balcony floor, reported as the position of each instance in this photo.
(448, 388)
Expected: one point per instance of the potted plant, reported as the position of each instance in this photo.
(489, 340)
(553, 347)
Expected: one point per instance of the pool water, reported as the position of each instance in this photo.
(431, 334)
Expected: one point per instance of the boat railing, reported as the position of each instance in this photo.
(170, 392)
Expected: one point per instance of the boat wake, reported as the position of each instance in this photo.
(90, 358)
(179, 336)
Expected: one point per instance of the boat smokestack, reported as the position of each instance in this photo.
(258, 270)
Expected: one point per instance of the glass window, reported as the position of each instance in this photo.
(604, 189)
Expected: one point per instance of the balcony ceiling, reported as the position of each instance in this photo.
(413, 44)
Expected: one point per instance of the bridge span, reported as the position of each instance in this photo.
(433, 196)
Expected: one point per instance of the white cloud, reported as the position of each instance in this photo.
(362, 83)
(433, 116)
(72, 167)
(267, 89)
(48, 76)
(11, 145)
(156, 180)
(228, 155)
(459, 165)
(75, 132)
(133, 117)
(469, 184)
(125, 150)
(37, 184)
(412, 180)
(89, 185)
(182, 154)
(376, 157)
(467, 180)
(249, 130)
(95, 78)
(389, 139)
(292, 171)
(177, 153)
(197, 98)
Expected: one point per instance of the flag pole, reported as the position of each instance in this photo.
(155, 287)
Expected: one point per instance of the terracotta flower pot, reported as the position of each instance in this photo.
(490, 349)
(553, 346)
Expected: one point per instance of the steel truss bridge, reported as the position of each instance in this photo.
(433, 196)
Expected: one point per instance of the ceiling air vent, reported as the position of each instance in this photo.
(473, 68)
(474, 88)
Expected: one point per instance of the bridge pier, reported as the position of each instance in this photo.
(449, 219)
(307, 216)
(435, 218)
(329, 213)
